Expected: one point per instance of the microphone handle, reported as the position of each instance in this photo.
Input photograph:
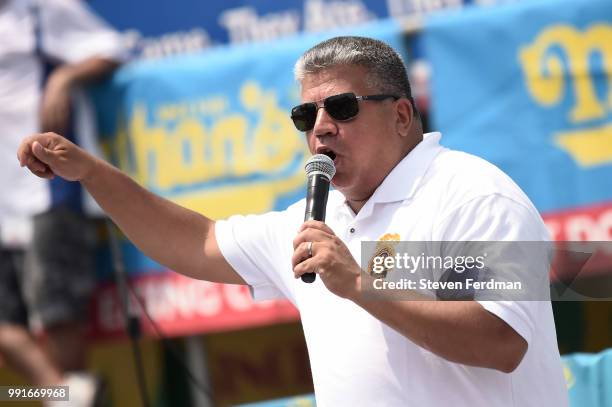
(316, 203)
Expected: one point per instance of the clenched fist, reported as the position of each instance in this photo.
(49, 154)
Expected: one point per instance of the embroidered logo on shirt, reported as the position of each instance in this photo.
(384, 248)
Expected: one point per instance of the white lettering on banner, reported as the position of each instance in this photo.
(107, 311)
(588, 228)
(167, 300)
(320, 15)
(174, 43)
(155, 300)
(412, 8)
(110, 315)
(554, 228)
(206, 298)
(581, 227)
(194, 300)
(155, 309)
(244, 25)
(237, 297)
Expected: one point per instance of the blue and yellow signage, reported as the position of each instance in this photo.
(529, 87)
(551, 76)
(212, 131)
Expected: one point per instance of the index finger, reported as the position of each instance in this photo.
(310, 235)
(25, 150)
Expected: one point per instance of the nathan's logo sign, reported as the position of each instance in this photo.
(564, 65)
(211, 156)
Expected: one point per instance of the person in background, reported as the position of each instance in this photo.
(46, 269)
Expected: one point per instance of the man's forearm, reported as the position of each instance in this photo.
(170, 234)
(86, 71)
(461, 332)
(176, 237)
(55, 104)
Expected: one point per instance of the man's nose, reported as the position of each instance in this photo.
(324, 124)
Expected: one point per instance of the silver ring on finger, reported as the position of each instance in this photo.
(309, 249)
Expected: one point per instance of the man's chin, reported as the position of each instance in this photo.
(340, 183)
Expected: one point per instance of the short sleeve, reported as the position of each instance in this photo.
(259, 249)
(497, 218)
(71, 32)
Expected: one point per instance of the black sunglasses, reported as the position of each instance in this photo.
(341, 107)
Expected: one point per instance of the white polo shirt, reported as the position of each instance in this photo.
(433, 194)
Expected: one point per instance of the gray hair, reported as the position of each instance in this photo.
(387, 72)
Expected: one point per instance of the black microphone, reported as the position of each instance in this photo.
(319, 170)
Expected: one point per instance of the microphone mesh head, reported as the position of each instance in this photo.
(320, 164)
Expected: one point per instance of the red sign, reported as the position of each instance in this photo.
(584, 246)
(589, 223)
(180, 305)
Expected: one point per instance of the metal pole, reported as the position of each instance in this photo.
(198, 365)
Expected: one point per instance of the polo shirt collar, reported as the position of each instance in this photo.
(403, 180)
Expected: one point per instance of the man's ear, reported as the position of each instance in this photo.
(405, 117)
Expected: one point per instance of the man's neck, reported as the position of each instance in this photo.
(357, 204)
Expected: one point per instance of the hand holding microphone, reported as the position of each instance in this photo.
(317, 249)
(320, 170)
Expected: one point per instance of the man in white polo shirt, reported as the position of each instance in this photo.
(391, 180)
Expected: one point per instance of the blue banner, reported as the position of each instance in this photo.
(212, 131)
(307, 400)
(589, 379)
(529, 87)
(156, 28)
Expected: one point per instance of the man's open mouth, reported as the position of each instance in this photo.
(328, 152)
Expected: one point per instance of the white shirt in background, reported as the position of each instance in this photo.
(69, 32)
